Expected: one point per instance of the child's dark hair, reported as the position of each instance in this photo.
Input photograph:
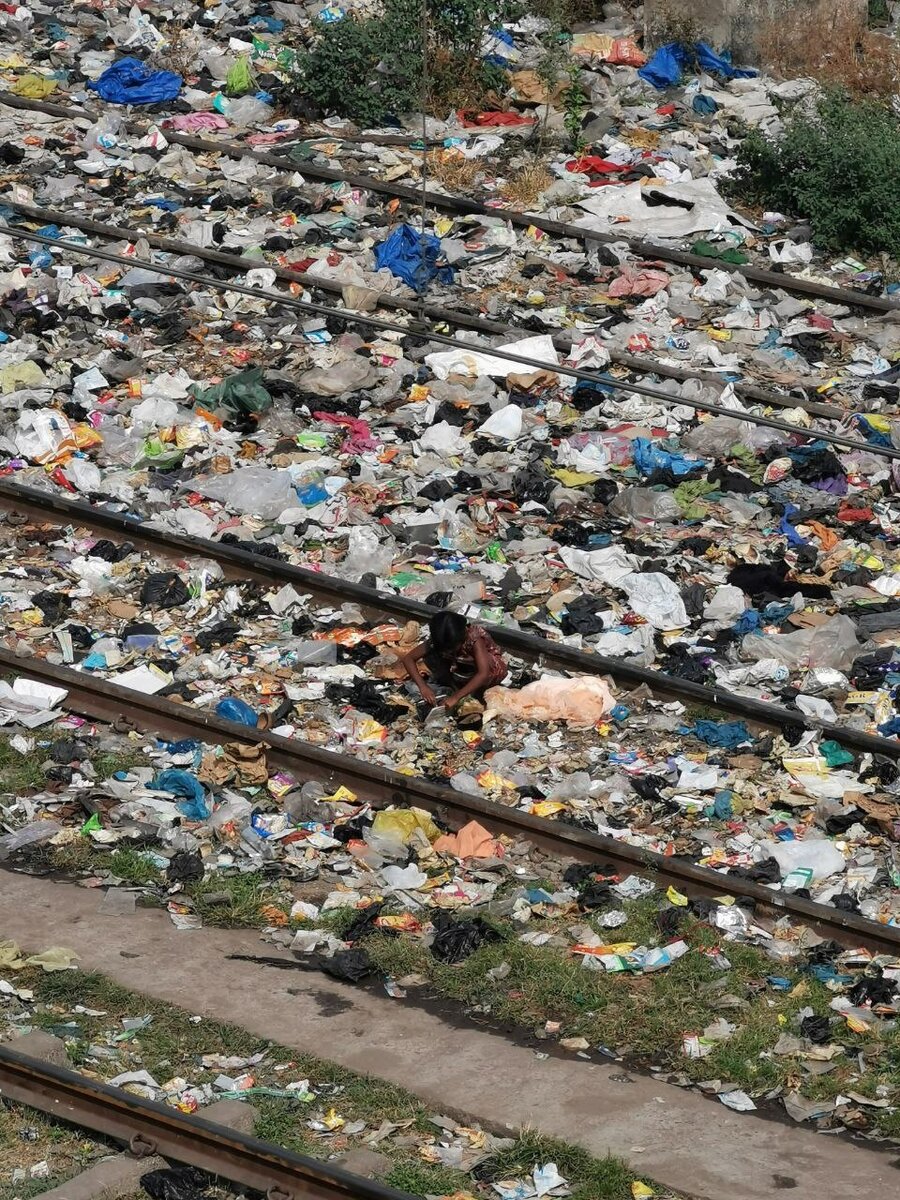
(447, 630)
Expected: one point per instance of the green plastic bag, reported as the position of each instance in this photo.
(239, 80)
(241, 393)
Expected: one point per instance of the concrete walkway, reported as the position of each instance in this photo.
(683, 1140)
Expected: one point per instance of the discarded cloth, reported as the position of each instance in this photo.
(581, 701)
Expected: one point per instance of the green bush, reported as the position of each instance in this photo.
(367, 69)
(836, 165)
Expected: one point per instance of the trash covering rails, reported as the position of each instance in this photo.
(340, 875)
(756, 560)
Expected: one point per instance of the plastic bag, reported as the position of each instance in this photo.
(832, 645)
(184, 867)
(818, 855)
(365, 554)
(655, 597)
(402, 824)
(130, 81)
(241, 393)
(412, 257)
(176, 1183)
(29, 835)
(263, 491)
(164, 589)
(193, 804)
(456, 939)
(581, 701)
(239, 80)
(233, 709)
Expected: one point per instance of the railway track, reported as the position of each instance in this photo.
(112, 233)
(465, 206)
(244, 564)
(562, 338)
(380, 786)
(148, 1128)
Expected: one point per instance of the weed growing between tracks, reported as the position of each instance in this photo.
(645, 1017)
(173, 1043)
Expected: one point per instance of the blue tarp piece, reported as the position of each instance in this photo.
(192, 802)
(237, 710)
(667, 65)
(704, 105)
(412, 258)
(649, 458)
(724, 734)
(129, 81)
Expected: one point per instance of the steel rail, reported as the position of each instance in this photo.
(147, 1128)
(562, 340)
(640, 389)
(241, 563)
(467, 207)
(380, 785)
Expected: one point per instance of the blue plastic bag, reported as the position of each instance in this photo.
(726, 735)
(704, 105)
(236, 710)
(649, 458)
(129, 81)
(412, 258)
(192, 803)
(667, 65)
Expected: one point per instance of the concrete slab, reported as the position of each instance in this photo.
(689, 1143)
(107, 1180)
(45, 1046)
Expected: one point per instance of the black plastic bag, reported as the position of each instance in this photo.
(109, 551)
(54, 605)
(817, 1029)
(595, 894)
(184, 867)
(176, 1183)
(364, 924)
(350, 966)
(455, 940)
(218, 634)
(164, 589)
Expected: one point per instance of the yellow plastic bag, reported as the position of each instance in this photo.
(400, 825)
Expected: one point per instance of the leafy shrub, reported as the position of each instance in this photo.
(837, 165)
(371, 68)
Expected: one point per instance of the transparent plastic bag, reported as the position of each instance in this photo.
(263, 491)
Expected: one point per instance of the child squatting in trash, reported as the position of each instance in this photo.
(459, 656)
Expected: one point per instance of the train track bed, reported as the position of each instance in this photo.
(571, 953)
(143, 1050)
(662, 774)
